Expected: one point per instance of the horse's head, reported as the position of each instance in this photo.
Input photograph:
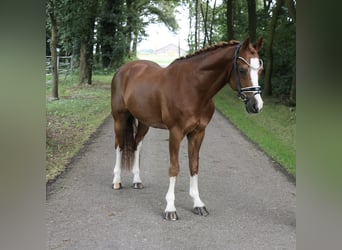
(247, 69)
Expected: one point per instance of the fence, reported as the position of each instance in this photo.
(64, 66)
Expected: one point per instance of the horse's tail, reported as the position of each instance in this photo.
(129, 144)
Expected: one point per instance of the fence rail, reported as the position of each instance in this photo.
(64, 66)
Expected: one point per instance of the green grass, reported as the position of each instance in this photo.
(72, 119)
(274, 129)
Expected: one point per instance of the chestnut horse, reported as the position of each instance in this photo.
(179, 98)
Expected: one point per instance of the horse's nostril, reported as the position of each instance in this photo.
(255, 108)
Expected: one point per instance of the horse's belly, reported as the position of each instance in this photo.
(150, 121)
(158, 125)
(153, 123)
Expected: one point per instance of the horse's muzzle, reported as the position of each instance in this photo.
(254, 104)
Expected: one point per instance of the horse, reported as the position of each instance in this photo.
(179, 98)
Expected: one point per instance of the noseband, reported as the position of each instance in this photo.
(255, 90)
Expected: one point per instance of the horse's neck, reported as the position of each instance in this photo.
(213, 70)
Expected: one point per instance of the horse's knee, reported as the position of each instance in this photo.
(173, 171)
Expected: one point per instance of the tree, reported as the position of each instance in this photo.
(123, 23)
(208, 25)
(229, 17)
(252, 20)
(76, 32)
(197, 23)
(112, 29)
(204, 19)
(292, 11)
(205, 22)
(51, 11)
(269, 49)
(87, 14)
(212, 23)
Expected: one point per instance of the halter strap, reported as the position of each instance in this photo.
(237, 76)
(249, 65)
(255, 89)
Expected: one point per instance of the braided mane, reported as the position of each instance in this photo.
(208, 48)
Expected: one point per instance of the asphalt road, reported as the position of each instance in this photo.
(251, 203)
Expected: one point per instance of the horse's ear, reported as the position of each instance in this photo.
(259, 44)
(246, 43)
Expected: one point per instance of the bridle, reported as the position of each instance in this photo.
(241, 91)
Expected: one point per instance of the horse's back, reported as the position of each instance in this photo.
(136, 68)
(132, 72)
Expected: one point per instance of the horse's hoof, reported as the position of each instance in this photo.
(171, 216)
(138, 185)
(200, 211)
(116, 186)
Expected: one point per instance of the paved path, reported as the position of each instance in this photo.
(251, 203)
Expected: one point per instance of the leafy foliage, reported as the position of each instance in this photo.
(119, 25)
(284, 54)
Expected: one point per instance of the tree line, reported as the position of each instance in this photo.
(105, 33)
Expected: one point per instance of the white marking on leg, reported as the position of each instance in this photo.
(136, 167)
(170, 196)
(254, 69)
(117, 168)
(194, 191)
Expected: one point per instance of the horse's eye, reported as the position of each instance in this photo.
(243, 71)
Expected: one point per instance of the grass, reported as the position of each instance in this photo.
(72, 119)
(274, 129)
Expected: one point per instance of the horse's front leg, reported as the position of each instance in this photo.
(194, 144)
(174, 142)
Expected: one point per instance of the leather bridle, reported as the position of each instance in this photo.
(241, 91)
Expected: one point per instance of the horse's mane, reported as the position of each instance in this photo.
(208, 48)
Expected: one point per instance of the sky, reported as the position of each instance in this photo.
(160, 36)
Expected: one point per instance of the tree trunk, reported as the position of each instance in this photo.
(269, 53)
(252, 20)
(135, 44)
(86, 64)
(83, 69)
(53, 48)
(211, 25)
(229, 14)
(86, 53)
(293, 87)
(129, 31)
(205, 23)
(292, 11)
(197, 23)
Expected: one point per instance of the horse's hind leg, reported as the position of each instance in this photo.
(119, 127)
(141, 132)
(117, 170)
